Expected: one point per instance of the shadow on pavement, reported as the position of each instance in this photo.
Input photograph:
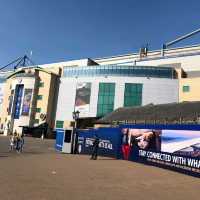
(4, 156)
(106, 159)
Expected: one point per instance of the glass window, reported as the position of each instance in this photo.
(41, 84)
(133, 94)
(186, 88)
(105, 98)
(39, 97)
(118, 70)
(59, 124)
(38, 110)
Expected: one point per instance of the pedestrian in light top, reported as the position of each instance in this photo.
(11, 142)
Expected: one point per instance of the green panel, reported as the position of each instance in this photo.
(41, 84)
(105, 98)
(38, 110)
(186, 88)
(59, 124)
(39, 97)
(133, 94)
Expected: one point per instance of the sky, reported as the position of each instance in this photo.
(61, 30)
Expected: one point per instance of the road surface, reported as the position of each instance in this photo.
(40, 173)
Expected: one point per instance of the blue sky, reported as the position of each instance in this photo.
(58, 30)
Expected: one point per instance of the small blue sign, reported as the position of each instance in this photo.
(59, 139)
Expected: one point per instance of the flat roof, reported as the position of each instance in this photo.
(162, 112)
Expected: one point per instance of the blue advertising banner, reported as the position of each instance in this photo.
(59, 139)
(110, 139)
(26, 102)
(171, 148)
(175, 147)
(18, 100)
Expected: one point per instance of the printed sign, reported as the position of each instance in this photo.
(18, 100)
(179, 149)
(26, 102)
(108, 145)
(82, 100)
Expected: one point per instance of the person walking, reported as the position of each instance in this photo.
(95, 147)
(15, 139)
(18, 145)
(11, 142)
(22, 142)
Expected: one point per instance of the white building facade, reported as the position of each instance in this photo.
(98, 90)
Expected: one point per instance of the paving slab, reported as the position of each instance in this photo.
(40, 173)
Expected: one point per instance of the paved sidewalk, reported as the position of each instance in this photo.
(42, 174)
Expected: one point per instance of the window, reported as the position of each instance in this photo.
(39, 97)
(105, 98)
(59, 124)
(133, 94)
(41, 84)
(186, 88)
(38, 110)
(119, 70)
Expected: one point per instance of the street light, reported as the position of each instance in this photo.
(75, 116)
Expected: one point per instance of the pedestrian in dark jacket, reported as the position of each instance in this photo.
(95, 148)
(18, 143)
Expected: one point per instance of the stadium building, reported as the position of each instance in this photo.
(50, 93)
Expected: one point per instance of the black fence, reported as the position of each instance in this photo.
(37, 131)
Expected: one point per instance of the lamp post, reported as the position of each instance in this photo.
(75, 116)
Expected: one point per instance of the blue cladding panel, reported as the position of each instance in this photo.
(163, 147)
(164, 126)
(18, 101)
(109, 141)
(59, 139)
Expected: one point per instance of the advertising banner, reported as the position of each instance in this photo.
(26, 102)
(59, 139)
(2, 85)
(177, 149)
(82, 100)
(109, 141)
(18, 100)
(10, 102)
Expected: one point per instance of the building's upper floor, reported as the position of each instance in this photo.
(188, 58)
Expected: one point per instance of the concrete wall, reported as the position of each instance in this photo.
(194, 92)
(188, 63)
(28, 83)
(2, 93)
(31, 79)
